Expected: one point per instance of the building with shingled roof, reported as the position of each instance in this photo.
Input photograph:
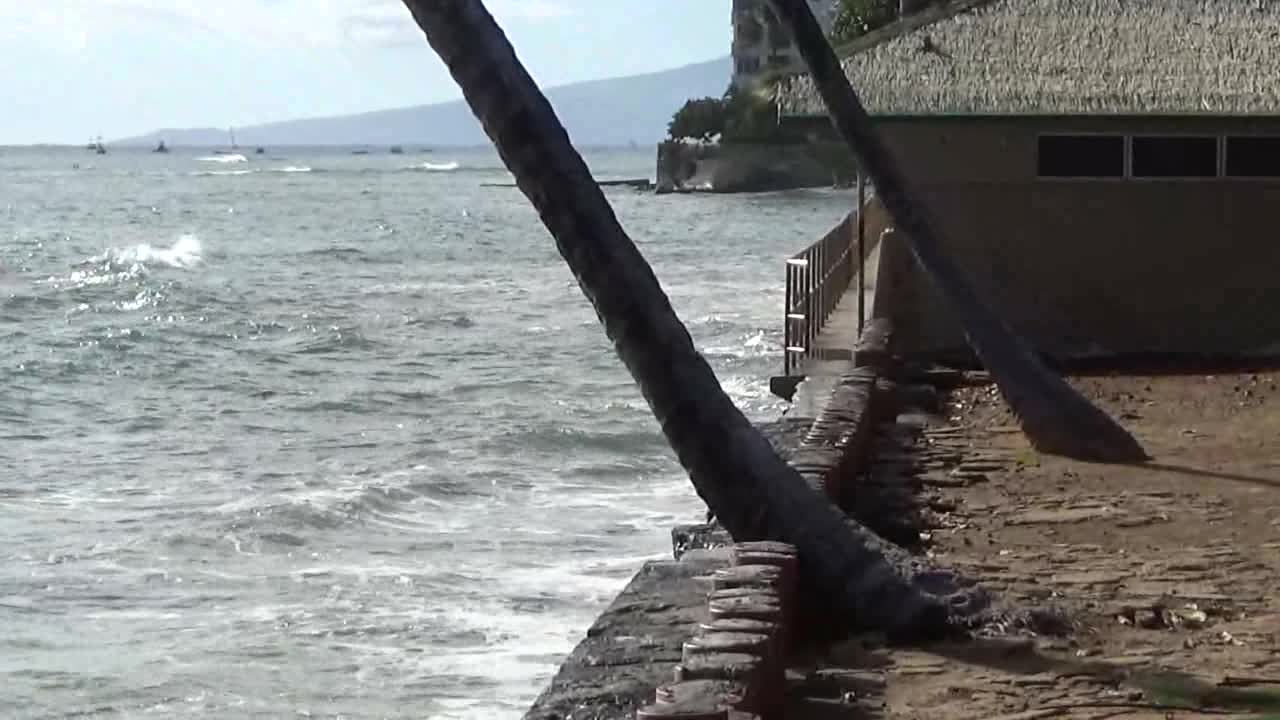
(1106, 171)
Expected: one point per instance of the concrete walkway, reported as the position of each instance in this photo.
(834, 347)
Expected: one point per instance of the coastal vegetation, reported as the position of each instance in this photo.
(737, 116)
(749, 114)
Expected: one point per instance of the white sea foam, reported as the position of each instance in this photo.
(214, 173)
(229, 158)
(186, 252)
(752, 396)
(292, 169)
(435, 167)
(756, 345)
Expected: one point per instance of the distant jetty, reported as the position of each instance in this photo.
(636, 183)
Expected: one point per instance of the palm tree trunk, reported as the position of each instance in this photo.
(732, 466)
(1054, 416)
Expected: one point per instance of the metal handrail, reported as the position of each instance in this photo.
(817, 277)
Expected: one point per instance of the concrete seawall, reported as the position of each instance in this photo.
(639, 646)
(646, 643)
(752, 167)
(635, 644)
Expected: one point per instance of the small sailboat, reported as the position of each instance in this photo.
(234, 147)
(101, 149)
(161, 148)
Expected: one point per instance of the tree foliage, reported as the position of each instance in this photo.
(855, 18)
(741, 115)
(749, 116)
(700, 119)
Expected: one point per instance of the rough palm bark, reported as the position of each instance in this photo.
(1054, 416)
(732, 466)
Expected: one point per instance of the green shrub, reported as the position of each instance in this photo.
(749, 116)
(739, 116)
(700, 119)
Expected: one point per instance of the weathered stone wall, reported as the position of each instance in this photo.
(715, 627)
(752, 167)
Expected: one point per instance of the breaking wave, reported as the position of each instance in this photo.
(125, 265)
(219, 173)
(186, 252)
(231, 158)
(435, 167)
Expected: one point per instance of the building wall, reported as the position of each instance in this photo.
(761, 44)
(1084, 267)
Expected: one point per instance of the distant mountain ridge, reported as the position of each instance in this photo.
(615, 111)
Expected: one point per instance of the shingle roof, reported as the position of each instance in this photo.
(1066, 57)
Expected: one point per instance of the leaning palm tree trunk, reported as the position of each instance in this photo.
(1055, 418)
(732, 466)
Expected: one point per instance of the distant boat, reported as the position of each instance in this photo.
(359, 152)
(397, 150)
(97, 146)
(231, 132)
(259, 151)
(161, 148)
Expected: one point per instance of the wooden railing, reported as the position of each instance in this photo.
(817, 277)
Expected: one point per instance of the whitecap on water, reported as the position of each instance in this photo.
(121, 265)
(755, 345)
(146, 297)
(229, 158)
(186, 252)
(435, 167)
(220, 173)
(752, 396)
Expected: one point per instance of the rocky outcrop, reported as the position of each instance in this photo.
(752, 167)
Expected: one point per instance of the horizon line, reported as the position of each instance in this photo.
(148, 135)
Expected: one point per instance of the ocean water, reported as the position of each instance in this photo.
(313, 434)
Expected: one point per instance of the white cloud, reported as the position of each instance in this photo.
(69, 25)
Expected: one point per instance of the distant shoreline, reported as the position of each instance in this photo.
(409, 148)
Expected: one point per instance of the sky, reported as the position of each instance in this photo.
(74, 69)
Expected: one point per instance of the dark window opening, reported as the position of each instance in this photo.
(1174, 157)
(1249, 156)
(1066, 156)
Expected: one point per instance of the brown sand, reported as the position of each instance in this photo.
(1172, 567)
